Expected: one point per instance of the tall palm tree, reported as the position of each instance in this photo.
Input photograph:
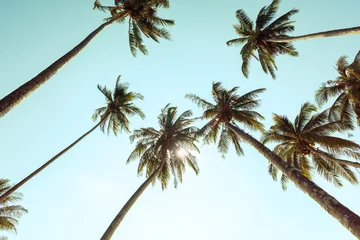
(9, 213)
(309, 138)
(269, 38)
(346, 87)
(230, 109)
(162, 153)
(113, 117)
(143, 18)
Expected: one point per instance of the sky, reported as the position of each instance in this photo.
(232, 198)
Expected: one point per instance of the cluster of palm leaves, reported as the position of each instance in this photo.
(346, 89)
(9, 213)
(309, 140)
(305, 146)
(258, 36)
(143, 19)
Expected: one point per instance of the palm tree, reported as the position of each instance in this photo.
(143, 18)
(230, 109)
(269, 38)
(309, 138)
(162, 153)
(113, 117)
(9, 213)
(346, 87)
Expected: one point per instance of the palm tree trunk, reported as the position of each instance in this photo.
(333, 159)
(332, 33)
(125, 209)
(345, 216)
(15, 97)
(33, 174)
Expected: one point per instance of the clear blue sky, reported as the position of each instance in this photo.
(233, 198)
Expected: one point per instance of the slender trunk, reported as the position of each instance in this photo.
(125, 209)
(33, 174)
(333, 159)
(345, 216)
(16, 96)
(332, 33)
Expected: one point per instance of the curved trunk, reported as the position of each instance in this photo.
(332, 33)
(345, 216)
(333, 159)
(125, 209)
(16, 96)
(33, 174)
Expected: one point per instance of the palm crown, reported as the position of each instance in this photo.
(171, 145)
(231, 108)
(257, 38)
(9, 214)
(309, 137)
(142, 19)
(119, 107)
(346, 87)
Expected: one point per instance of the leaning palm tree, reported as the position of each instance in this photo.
(162, 153)
(230, 109)
(309, 139)
(9, 213)
(346, 87)
(269, 38)
(143, 19)
(112, 117)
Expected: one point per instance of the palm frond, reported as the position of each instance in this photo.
(326, 171)
(244, 20)
(282, 20)
(284, 181)
(199, 101)
(305, 114)
(107, 93)
(266, 14)
(236, 41)
(273, 171)
(223, 143)
(325, 92)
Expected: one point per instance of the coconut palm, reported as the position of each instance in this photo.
(228, 110)
(346, 87)
(161, 153)
(142, 17)
(9, 213)
(269, 38)
(112, 117)
(310, 139)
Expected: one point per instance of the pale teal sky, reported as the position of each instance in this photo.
(233, 198)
